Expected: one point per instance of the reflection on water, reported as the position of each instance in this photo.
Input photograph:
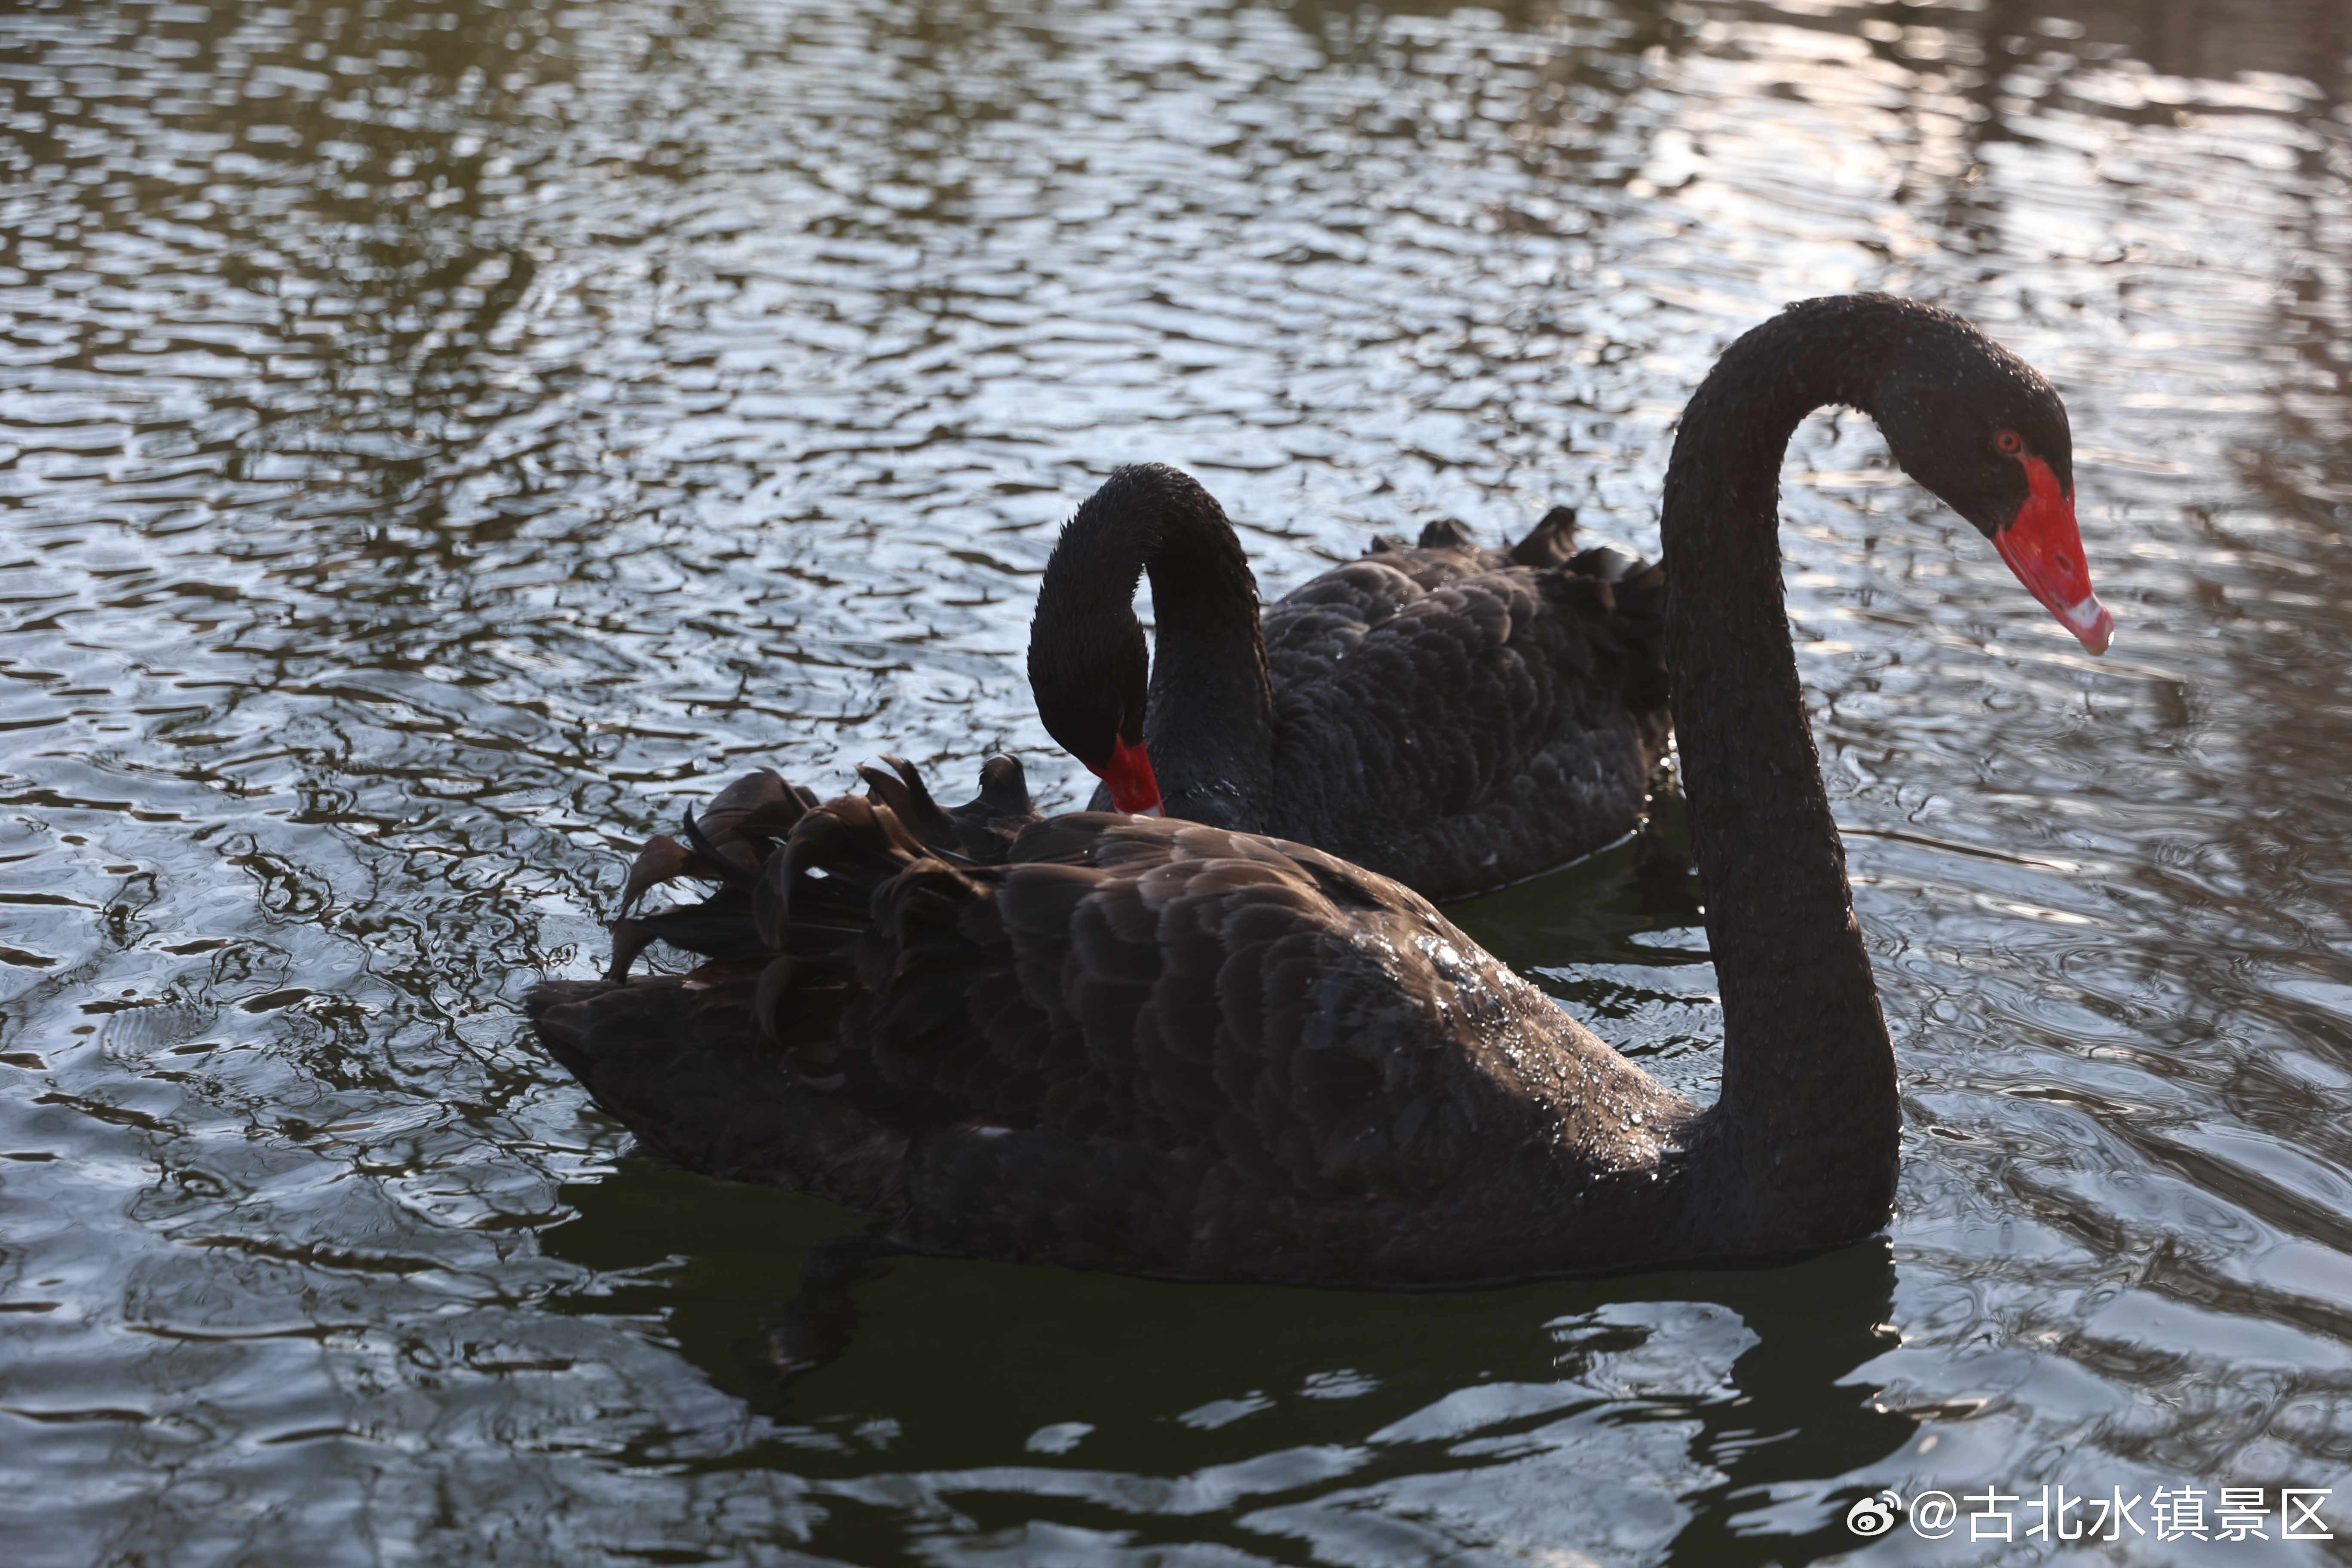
(437, 441)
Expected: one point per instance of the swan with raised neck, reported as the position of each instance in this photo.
(1162, 1047)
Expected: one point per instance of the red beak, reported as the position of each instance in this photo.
(2044, 548)
(1133, 789)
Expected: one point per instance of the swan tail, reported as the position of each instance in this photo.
(738, 1068)
(682, 1062)
(1636, 619)
(1635, 607)
(1619, 600)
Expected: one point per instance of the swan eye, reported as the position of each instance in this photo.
(2010, 442)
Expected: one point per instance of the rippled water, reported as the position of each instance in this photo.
(439, 442)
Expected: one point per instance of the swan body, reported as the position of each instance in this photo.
(1454, 718)
(1146, 1045)
(1172, 1047)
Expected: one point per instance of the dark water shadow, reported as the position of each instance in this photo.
(1134, 1391)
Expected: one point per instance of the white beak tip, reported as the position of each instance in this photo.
(2089, 621)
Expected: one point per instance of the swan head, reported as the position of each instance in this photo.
(1983, 430)
(1091, 676)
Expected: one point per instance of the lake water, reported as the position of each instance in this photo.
(438, 442)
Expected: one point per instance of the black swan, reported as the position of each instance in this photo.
(1119, 1042)
(1455, 718)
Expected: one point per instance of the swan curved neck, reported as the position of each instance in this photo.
(1209, 722)
(1803, 1142)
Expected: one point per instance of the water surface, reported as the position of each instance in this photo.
(440, 442)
